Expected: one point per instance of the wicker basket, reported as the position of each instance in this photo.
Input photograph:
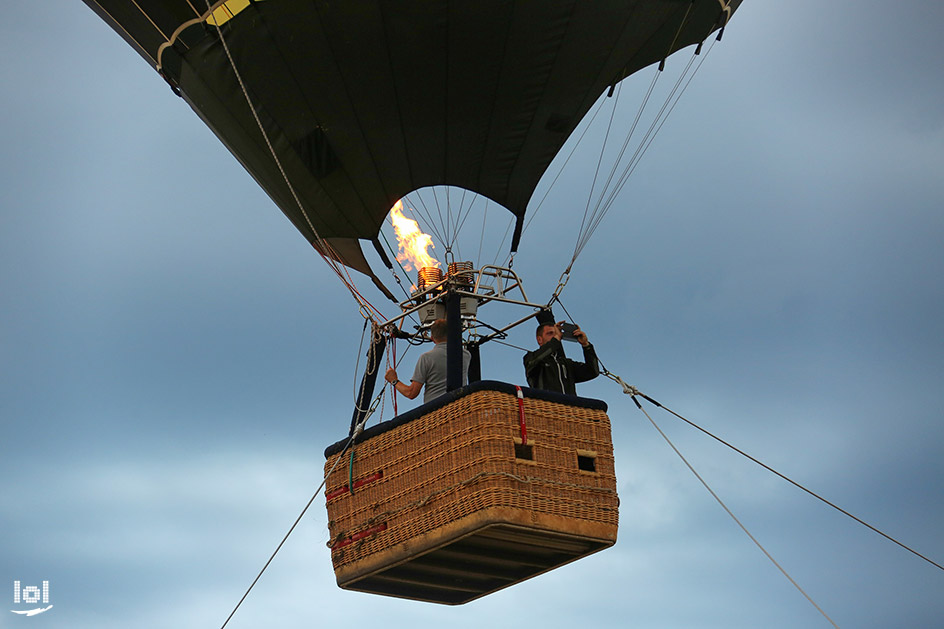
(449, 504)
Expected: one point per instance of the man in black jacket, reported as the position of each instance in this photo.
(548, 368)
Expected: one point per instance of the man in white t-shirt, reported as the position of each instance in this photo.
(430, 368)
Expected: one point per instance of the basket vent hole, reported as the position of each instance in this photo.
(524, 451)
(587, 462)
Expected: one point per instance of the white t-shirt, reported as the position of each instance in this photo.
(431, 371)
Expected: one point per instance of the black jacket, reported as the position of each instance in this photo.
(548, 368)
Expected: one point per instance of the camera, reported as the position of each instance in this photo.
(567, 331)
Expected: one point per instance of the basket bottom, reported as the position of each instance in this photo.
(480, 562)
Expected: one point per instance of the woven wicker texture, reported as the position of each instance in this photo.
(459, 460)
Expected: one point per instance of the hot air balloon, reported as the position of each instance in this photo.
(339, 110)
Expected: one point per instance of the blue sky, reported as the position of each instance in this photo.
(174, 357)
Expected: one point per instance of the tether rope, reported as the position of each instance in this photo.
(792, 482)
(448, 213)
(282, 543)
(357, 430)
(633, 391)
(734, 517)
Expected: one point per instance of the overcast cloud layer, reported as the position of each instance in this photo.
(174, 357)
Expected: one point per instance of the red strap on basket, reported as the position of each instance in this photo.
(393, 347)
(347, 541)
(340, 491)
(524, 430)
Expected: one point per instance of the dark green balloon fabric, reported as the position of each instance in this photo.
(365, 101)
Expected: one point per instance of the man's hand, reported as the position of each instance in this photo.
(409, 390)
(581, 337)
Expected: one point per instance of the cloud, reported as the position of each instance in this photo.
(173, 357)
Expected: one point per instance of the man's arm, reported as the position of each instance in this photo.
(409, 390)
(590, 368)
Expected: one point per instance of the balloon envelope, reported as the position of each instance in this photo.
(364, 101)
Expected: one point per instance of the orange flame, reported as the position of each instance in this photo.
(411, 240)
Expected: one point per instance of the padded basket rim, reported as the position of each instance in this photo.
(452, 396)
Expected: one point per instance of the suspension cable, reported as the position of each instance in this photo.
(482, 234)
(611, 190)
(560, 171)
(602, 206)
(511, 223)
(580, 238)
(462, 218)
(426, 221)
(442, 221)
(393, 254)
(631, 167)
(327, 252)
(393, 271)
(606, 138)
(448, 227)
(427, 217)
(512, 345)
